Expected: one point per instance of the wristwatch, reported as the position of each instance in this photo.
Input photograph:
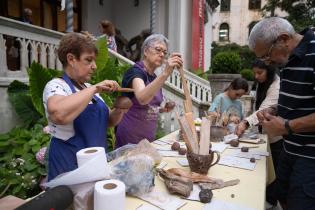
(287, 127)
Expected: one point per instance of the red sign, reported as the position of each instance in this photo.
(198, 34)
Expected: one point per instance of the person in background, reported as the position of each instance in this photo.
(27, 16)
(77, 116)
(108, 30)
(275, 42)
(267, 94)
(228, 100)
(141, 120)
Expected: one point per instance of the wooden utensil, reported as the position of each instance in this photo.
(125, 90)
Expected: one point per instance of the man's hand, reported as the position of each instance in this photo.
(274, 126)
(261, 113)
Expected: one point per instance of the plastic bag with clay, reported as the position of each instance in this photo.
(136, 171)
(133, 165)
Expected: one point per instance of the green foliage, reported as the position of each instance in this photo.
(20, 172)
(38, 78)
(111, 139)
(247, 56)
(200, 73)
(102, 56)
(113, 70)
(107, 68)
(19, 96)
(247, 74)
(226, 62)
(301, 14)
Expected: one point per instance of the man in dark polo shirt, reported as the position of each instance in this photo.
(276, 43)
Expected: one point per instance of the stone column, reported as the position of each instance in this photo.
(69, 20)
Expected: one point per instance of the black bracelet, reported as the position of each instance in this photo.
(246, 123)
(287, 127)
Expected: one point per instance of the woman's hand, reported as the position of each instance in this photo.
(240, 128)
(107, 86)
(169, 106)
(174, 61)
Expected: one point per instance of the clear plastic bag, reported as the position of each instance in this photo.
(120, 152)
(136, 172)
(134, 165)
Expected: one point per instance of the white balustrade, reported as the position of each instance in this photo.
(34, 44)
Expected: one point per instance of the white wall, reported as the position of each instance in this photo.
(129, 19)
(93, 13)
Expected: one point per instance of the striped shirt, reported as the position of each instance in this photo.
(297, 94)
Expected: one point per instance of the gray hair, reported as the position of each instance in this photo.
(151, 40)
(268, 30)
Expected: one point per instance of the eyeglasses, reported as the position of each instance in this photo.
(159, 50)
(267, 56)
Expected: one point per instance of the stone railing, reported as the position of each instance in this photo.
(21, 44)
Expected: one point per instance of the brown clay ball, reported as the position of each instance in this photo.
(252, 160)
(169, 105)
(205, 195)
(175, 146)
(182, 151)
(244, 149)
(122, 102)
(234, 143)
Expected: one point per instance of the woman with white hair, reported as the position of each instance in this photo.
(141, 120)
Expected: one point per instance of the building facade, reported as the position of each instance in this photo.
(233, 20)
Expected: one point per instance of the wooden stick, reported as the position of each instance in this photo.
(191, 144)
(187, 102)
(125, 90)
(204, 144)
(187, 142)
(190, 120)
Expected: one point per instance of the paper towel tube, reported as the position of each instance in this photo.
(109, 194)
(84, 155)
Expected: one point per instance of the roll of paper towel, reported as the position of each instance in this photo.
(92, 166)
(87, 154)
(109, 194)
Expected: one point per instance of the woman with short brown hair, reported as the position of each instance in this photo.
(77, 116)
